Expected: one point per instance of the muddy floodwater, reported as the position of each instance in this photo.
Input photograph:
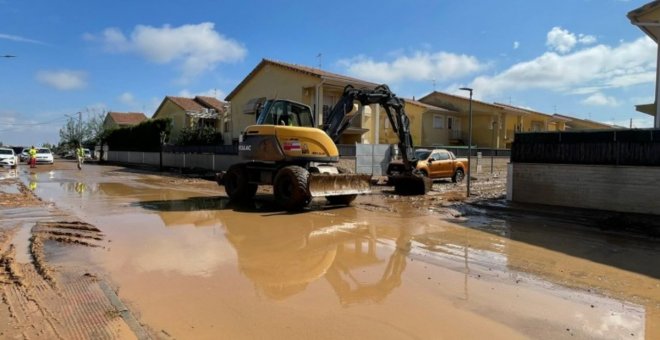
(188, 264)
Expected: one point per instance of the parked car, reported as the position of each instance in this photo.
(435, 163)
(8, 158)
(88, 154)
(44, 156)
(24, 156)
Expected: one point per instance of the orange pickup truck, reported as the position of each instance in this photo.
(436, 163)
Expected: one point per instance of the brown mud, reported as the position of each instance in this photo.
(191, 264)
(39, 300)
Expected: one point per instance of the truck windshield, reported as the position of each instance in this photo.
(422, 154)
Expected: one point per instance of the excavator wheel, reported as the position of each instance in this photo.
(412, 185)
(290, 188)
(236, 184)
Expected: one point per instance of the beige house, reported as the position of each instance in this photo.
(116, 120)
(576, 124)
(428, 125)
(493, 125)
(310, 86)
(192, 112)
(647, 18)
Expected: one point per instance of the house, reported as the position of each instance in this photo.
(310, 86)
(194, 112)
(493, 125)
(647, 18)
(116, 120)
(527, 120)
(576, 124)
(428, 125)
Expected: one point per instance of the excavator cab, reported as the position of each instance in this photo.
(285, 112)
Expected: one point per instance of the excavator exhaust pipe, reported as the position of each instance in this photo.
(410, 185)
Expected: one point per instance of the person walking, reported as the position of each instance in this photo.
(80, 154)
(33, 157)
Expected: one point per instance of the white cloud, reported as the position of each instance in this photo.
(127, 98)
(63, 80)
(219, 94)
(195, 48)
(20, 39)
(516, 44)
(599, 99)
(582, 72)
(419, 66)
(563, 41)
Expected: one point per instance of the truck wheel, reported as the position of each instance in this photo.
(290, 187)
(341, 199)
(458, 176)
(236, 184)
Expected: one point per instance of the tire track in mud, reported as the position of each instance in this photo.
(38, 301)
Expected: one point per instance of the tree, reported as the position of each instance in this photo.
(88, 132)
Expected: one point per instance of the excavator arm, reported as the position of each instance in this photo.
(339, 119)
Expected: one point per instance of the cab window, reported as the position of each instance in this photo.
(441, 156)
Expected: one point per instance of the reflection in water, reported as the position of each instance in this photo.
(32, 185)
(8, 173)
(282, 260)
(80, 187)
(282, 256)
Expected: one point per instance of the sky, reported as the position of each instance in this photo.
(581, 58)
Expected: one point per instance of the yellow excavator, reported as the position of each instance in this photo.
(285, 149)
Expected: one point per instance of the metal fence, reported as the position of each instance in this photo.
(613, 147)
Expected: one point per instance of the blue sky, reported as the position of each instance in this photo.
(576, 57)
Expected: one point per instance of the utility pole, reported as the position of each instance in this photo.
(80, 132)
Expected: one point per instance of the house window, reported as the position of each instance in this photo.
(226, 125)
(438, 122)
(450, 123)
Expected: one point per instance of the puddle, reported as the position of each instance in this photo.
(194, 265)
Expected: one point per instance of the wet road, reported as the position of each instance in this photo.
(191, 265)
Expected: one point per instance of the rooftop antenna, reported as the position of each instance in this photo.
(320, 56)
(433, 85)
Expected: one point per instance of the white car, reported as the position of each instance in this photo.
(44, 156)
(7, 157)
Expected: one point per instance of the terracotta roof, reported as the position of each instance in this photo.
(187, 104)
(467, 99)
(197, 104)
(587, 121)
(315, 72)
(650, 27)
(507, 106)
(127, 118)
(428, 106)
(212, 103)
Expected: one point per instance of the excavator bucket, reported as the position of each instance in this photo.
(411, 184)
(339, 184)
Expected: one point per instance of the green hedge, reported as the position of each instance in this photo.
(142, 137)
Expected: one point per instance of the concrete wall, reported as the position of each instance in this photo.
(631, 189)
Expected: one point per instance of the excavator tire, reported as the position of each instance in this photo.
(412, 185)
(290, 188)
(236, 184)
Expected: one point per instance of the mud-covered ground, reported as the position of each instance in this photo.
(109, 252)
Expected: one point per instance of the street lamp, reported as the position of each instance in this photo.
(469, 173)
